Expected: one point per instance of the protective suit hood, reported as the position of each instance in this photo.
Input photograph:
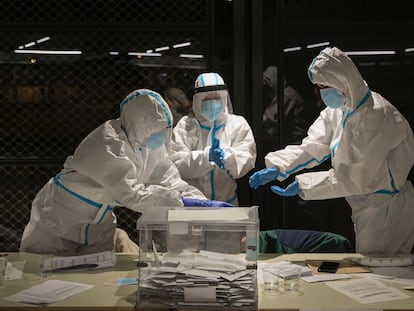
(140, 106)
(208, 86)
(333, 68)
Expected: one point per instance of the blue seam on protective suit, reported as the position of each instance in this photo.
(216, 79)
(213, 132)
(229, 173)
(154, 95)
(384, 191)
(334, 147)
(82, 198)
(233, 198)
(107, 209)
(362, 102)
(300, 166)
(213, 135)
(207, 128)
(202, 81)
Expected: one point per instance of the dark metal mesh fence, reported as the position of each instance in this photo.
(64, 68)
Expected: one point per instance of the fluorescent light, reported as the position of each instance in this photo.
(143, 54)
(316, 45)
(150, 51)
(191, 55)
(21, 47)
(408, 50)
(370, 53)
(29, 44)
(43, 39)
(292, 49)
(163, 48)
(181, 45)
(113, 53)
(50, 52)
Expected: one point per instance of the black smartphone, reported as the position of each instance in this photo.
(328, 266)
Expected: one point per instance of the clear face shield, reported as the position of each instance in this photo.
(211, 105)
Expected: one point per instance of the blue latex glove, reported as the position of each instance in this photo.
(216, 154)
(290, 191)
(205, 203)
(263, 176)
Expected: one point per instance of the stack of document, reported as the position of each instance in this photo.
(282, 268)
(199, 279)
(80, 263)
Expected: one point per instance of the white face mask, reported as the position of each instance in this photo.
(332, 98)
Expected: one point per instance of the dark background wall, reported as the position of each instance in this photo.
(48, 103)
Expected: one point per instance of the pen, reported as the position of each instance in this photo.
(81, 267)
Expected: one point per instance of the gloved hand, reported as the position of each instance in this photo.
(205, 203)
(216, 154)
(290, 191)
(263, 177)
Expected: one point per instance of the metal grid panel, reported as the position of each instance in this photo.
(101, 11)
(49, 103)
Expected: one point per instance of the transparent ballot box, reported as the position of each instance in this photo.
(198, 257)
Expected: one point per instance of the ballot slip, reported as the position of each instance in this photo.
(199, 279)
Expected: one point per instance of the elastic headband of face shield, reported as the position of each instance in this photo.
(210, 88)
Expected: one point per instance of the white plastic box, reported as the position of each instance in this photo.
(198, 257)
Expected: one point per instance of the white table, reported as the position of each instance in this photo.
(106, 295)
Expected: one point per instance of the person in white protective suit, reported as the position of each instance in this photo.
(371, 147)
(123, 162)
(213, 147)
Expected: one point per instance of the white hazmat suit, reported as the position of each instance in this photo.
(194, 136)
(117, 164)
(371, 147)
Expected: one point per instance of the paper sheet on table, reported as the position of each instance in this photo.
(14, 270)
(325, 277)
(81, 263)
(208, 215)
(367, 290)
(49, 292)
(407, 283)
(400, 275)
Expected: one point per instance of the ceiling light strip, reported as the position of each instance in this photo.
(363, 53)
(48, 52)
